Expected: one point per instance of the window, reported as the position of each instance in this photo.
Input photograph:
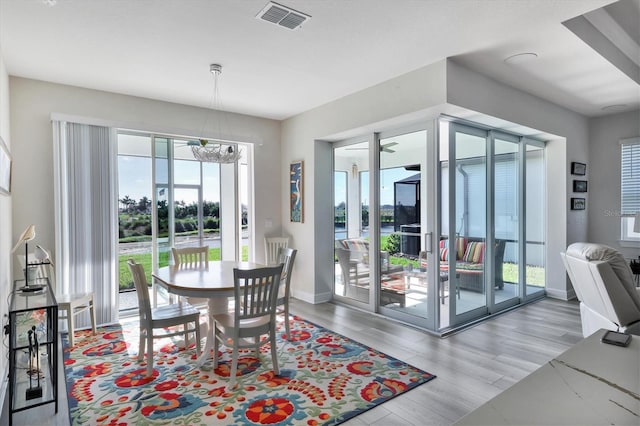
(630, 186)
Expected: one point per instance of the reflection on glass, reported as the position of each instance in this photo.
(470, 222)
(351, 220)
(403, 274)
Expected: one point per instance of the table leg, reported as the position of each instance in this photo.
(217, 305)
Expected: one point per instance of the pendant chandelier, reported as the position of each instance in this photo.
(213, 151)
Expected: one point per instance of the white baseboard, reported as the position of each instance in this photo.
(313, 298)
(561, 294)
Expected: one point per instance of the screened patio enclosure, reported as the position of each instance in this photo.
(440, 224)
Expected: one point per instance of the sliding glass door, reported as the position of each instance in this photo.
(403, 288)
(351, 222)
(439, 232)
(170, 199)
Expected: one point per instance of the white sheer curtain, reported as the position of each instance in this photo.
(86, 194)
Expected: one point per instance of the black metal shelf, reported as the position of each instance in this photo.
(27, 310)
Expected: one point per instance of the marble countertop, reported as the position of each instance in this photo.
(592, 383)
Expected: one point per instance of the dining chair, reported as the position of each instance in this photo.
(70, 305)
(286, 257)
(271, 246)
(191, 257)
(255, 297)
(173, 315)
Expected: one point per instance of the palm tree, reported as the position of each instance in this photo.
(127, 202)
(144, 204)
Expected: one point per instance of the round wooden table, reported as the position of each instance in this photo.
(214, 283)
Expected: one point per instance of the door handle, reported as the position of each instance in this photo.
(428, 243)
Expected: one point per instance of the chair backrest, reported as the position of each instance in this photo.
(286, 257)
(191, 257)
(603, 281)
(271, 246)
(256, 292)
(344, 259)
(142, 289)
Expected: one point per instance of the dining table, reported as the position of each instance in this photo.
(214, 282)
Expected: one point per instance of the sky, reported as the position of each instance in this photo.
(134, 179)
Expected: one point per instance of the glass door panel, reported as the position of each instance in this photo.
(187, 216)
(211, 208)
(403, 285)
(506, 241)
(134, 211)
(351, 220)
(463, 248)
(535, 220)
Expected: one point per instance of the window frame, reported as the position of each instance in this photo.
(627, 236)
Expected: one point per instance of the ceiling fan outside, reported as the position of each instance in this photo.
(383, 147)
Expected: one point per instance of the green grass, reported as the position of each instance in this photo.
(534, 275)
(126, 281)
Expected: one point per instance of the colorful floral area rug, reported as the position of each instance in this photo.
(325, 378)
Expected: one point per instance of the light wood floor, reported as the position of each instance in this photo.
(472, 366)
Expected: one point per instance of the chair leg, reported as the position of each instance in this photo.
(216, 345)
(70, 324)
(186, 335)
(141, 345)
(198, 343)
(234, 365)
(92, 312)
(287, 326)
(149, 354)
(274, 350)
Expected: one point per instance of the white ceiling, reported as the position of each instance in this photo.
(161, 49)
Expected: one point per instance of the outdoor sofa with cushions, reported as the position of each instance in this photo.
(470, 254)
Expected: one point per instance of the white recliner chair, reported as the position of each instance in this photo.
(604, 285)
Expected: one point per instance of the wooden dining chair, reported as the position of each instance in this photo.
(173, 315)
(271, 246)
(256, 295)
(191, 257)
(286, 257)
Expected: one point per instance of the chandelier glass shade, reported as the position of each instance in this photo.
(215, 151)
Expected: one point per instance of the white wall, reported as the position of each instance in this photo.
(604, 177)
(32, 103)
(302, 135)
(405, 99)
(5, 228)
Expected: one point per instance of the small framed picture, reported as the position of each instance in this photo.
(577, 204)
(578, 169)
(579, 186)
(296, 191)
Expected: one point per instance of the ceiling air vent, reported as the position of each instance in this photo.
(282, 16)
